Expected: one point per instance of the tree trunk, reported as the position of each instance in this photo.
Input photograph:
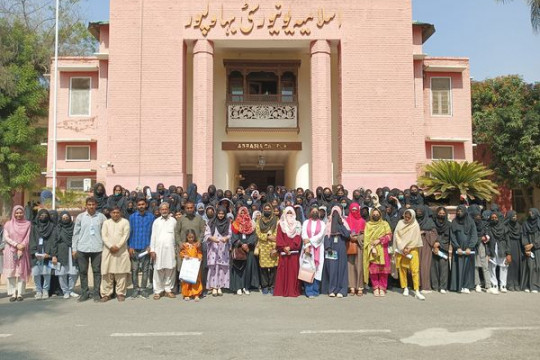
(7, 206)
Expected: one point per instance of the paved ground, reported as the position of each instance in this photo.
(476, 326)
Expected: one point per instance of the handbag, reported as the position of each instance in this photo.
(239, 254)
(189, 272)
(352, 248)
(307, 271)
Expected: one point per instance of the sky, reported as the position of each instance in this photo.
(497, 38)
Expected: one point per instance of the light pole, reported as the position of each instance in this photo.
(55, 103)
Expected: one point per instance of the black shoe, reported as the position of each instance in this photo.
(13, 299)
(20, 298)
(83, 298)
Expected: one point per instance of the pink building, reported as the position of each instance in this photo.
(299, 93)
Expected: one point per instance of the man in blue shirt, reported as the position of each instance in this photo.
(140, 224)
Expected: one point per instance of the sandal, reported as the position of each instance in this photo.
(197, 299)
(13, 299)
(186, 298)
(214, 292)
(382, 292)
(170, 295)
(20, 298)
(351, 291)
(376, 292)
(157, 296)
(360, 292)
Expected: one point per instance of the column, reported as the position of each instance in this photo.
(203, 113)
(321, 115)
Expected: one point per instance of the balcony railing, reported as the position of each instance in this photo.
(262, 112)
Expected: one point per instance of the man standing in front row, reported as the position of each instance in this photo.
(115, 265)
(140, 224)
(162, 251)
(87, 246)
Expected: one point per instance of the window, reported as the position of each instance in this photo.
(262, 83)
(79, 96)
(271, 81)
(236, 81)
(288, 82)
(518, 199)
(75, 184)
(441, 99)
(78, 153)
(442, 152)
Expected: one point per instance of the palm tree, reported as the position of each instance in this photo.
(451, 180)
(535, 13)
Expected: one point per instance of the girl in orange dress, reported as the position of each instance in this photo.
(191, 249)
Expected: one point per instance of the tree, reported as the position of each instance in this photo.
(535, 13)
(506, 117)
(38, 17)
(452, 180)
(23, 99)
(27, 36)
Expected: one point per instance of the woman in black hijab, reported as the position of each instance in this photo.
(101, 197)
(531, 246)
(42, 239)
(463, 238)
(68, 273)
(429, 238)
(439, 262)
(193, 195)
(118, 199)
(498, 252)
(513, 230)
(212, 195)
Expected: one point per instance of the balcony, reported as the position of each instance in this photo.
(262, 112)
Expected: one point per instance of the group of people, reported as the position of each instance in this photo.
(280, 241)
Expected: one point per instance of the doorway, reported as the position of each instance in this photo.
(262, 178)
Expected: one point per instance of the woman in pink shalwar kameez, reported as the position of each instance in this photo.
(16, 255)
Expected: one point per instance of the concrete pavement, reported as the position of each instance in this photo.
(478, 326)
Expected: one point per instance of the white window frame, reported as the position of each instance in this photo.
(79, 146)
(89, 96)
(74, 178)
(451, 100)
(443, 146)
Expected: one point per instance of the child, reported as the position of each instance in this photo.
(191, 249)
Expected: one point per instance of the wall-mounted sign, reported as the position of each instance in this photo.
(251, 18)
(262, 146)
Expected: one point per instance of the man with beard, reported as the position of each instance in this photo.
(115, 265)
(162, 251)
(187, 222)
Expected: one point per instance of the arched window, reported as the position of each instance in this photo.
(236, 86)
(288, 86)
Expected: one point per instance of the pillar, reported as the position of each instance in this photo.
(203, 113)
(321, 115)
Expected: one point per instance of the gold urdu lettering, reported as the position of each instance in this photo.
(249, 28)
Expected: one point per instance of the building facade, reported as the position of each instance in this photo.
(296, 93)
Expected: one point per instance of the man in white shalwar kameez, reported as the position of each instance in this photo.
(162, 251)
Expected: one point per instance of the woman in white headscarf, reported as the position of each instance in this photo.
(408, 241)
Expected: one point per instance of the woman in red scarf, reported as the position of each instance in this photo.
(355, 250)
(16, 254)
(288, 244)
(244, 270)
